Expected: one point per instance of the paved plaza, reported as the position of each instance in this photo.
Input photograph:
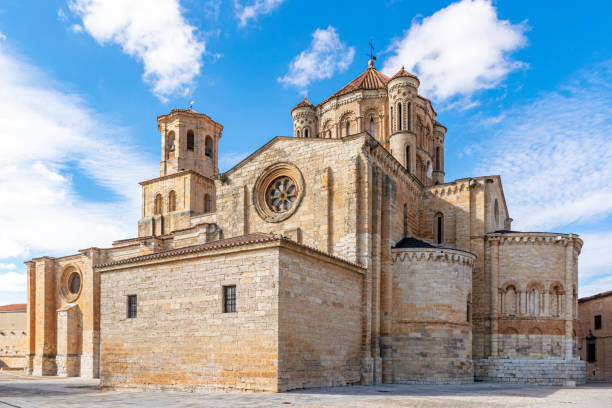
(21, 391)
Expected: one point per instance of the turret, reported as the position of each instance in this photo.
(402, 91)
(189, 142)
(304, 119)
(439, 132)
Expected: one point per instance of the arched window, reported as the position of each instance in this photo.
(438, 158)
(171, 201)
(208, 146)
(510, 300)
(306, 132)
(399, 116)
(372, 130)
(408, 159)
(348, 128)
(496, 212)
(170, 143)
(158, 204)
(207, 203)
(408, 121)
(556, 306)
(439, 228)
(190, 140)
(534, 302)
(391, 120)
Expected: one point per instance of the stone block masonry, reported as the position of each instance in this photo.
(522, 371)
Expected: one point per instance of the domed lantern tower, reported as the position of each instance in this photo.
(304, 119)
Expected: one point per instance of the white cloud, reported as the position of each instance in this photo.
(76, 28)
(326, 55)
(46, 130)
(7, 266)
(155, 34)
(458, 50)
(61, 15)
(2, 37)
(555, 154)
(245, 12)
(12, 282)
(555, 158)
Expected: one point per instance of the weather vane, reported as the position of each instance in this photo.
(372, 57)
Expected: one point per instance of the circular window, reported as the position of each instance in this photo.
(278, 192)
(75, 283)
(70, 283)
(281, 194)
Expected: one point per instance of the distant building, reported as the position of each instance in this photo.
(595, 322)
(13, 336)
(336, 256)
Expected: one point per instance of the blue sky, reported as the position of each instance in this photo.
(524, 88)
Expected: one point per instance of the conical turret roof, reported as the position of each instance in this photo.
(304, 104)
(403, 73)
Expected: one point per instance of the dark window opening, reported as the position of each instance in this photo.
(132, 306)
(408, 159)
(75, 283)
(597, 322)
(190, 140)
(372, 130)
(591, 352)
(229, 299)
(438, 158)
(399, 116)
(439, 228)
(208, 146)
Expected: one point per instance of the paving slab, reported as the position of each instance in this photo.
(23, 391)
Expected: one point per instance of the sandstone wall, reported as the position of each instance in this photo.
(13, 340)
(431, 327)
(320, 322)
(588, 308)
(181, 337)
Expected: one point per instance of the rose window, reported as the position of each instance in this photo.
(281, 195)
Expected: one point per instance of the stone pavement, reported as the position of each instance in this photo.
(21, 391)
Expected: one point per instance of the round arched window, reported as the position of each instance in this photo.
(281, 194)
(496, 213)
(75, 283)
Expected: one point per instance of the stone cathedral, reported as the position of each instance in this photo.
(337, 256)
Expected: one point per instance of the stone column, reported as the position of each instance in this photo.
(388, 208)
(569, 271)
(494, 262)
(31, 316)
(376, 272)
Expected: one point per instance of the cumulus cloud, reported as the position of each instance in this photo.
(47, 134)
(13, 282)
(2, 37)
(555, 157)
(555, 154)
(458, 50)
(157, 35)
(326, 56)
(247, 12)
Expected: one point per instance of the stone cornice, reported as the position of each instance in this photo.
(454, 256)
(533, 238)
(179, 174)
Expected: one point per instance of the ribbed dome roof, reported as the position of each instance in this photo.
(369, 79)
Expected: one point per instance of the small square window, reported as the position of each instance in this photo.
(132, 306)
(597, 322)
(229, 299)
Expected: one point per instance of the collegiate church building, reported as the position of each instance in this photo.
(337, 256)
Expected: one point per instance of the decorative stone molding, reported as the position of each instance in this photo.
(432, 255)
(263, 184)
(67, 285)
(534, 238)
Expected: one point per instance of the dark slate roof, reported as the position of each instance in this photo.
(409, 242)
(505, 232)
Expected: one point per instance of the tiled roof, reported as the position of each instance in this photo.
(597, 296)
(304, 104)
(370, 79)
(18, 307)
(403, 73)
(409, 242)
(254, 238)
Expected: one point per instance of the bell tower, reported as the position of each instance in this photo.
(189, 141)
